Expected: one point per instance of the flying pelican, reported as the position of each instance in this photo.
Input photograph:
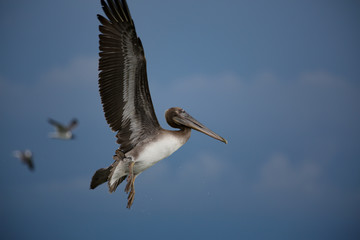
(62, 131)
(127, 104)
(26, 157)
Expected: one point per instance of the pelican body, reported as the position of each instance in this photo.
(128, 107)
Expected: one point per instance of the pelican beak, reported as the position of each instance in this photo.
(191, 122)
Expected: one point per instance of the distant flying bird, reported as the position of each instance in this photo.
(63, 132)
(26, 157)
(127, 104)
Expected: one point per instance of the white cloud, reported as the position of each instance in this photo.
(206, 165)
(196, 182)
(323, 79)
(79, 72)
(196, 92)
(57, 89)
(63, 186)
(262, 91)
(280, 175)
(294, 105)
(203, 84)
(260, 86)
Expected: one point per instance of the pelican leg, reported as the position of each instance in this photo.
(131, 195)
(130, 185)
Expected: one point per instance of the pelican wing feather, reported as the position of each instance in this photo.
(123, 84)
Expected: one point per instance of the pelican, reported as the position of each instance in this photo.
(26, 157)
(63, 132)
(127, 104)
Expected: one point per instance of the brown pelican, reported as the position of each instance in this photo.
(26, 157)
(127, 104)
(63, 132)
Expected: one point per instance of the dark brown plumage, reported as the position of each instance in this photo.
(122, 67)
(127, 104)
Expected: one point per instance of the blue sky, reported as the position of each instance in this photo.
(278, 79)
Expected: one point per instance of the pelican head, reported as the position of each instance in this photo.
(177, 118)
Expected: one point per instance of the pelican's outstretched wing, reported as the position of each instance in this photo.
(123, 84)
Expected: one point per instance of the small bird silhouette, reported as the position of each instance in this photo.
(63, 132)
(26, 157)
